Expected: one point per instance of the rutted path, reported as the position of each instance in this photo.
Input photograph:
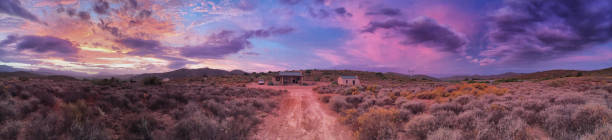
(301, 116)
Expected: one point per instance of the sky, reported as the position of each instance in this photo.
(434, 37)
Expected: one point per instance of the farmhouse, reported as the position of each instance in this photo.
(348, 80)
(284, 78)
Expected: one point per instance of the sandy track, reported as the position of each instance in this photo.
(301, 116)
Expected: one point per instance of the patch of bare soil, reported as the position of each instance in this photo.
(301, 116)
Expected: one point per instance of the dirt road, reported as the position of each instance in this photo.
(301, 116)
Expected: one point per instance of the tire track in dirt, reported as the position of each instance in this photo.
(301, 116)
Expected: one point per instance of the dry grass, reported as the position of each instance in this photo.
(447, 93)
(114, 109)
(570, 108)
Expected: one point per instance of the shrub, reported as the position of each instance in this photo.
(141, 126)
(531, 117)
(570, 99)
(45, 98)
(113, 82)
(196, 127)
(421, 125)
(464, 99)
(157, 103)
(152, 81)
(325, 99)
(49, 127)
(384, 101)
(445, 118)
(507, 128)
(10, 130)
(6, 113)
(589, 117)
(534, 105)
(404, 115)
(378, 123)
(445, 134)
(453, 107)
(558, 121)
(352, 99)
(349, 117)
(216, 108)
(88, 131)
(238, 127)
(601, 133)
(415, 107)
(468, 120)
(338, 103)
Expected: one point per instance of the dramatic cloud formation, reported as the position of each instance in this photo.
(13, 7)
(386, 12)
(101, 7)
(423, 31)
(406, 36)
(41, 44)
(532, 30)
(227, 42)
(142, 47)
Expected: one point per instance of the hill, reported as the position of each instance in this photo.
(331, 75)
(5, 68)
(23, 74)
(18, 74)
(187, 73)
(549, 74)
(481, 77)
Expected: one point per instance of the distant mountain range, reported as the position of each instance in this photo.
(185, 73)
(480, 77)
(549, 74)
(5, 68)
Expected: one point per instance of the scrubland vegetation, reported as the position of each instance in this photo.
(32, 108)
(564, 109)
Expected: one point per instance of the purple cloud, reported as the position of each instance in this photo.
(268, 32)
(71, 12)
(101, 7)
(289, 2)
(386, 12)
(41, 44)
(217, 46)
(105, 26)
(13, 7)
(423, 31)
(175, 62)
(246, 5)
(318, 13)
(153, 48)
(227, 42)
(144, 14)
(142, 47)
(84, 15)
(132, 3)
(530, 30)
(342, 11)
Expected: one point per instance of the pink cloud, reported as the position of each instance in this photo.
(331, 56)
(449, 15)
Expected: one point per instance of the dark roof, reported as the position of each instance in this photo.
(290, 74)
(349, 77)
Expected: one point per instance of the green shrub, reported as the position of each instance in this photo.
(152, 81)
